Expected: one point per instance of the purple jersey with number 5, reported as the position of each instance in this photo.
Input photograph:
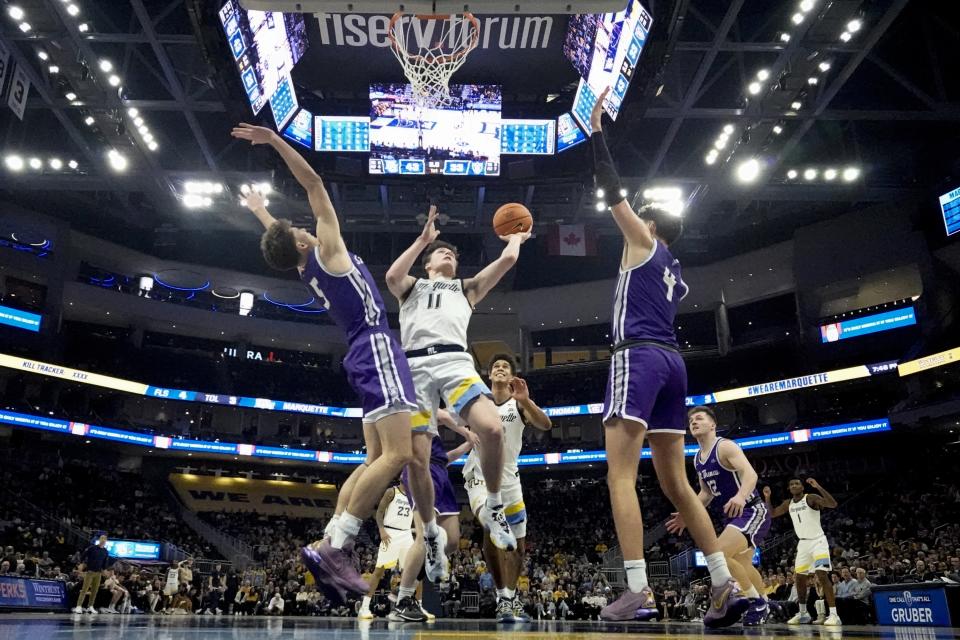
(646, 300)
(352, 299)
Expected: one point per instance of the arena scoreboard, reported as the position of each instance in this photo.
(342, 133)
(300, 129)
(568, 133)
(284, 102)
(528, 137)
(950, 206)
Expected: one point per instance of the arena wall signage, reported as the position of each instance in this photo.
(265, 404)
(44, 423)
(912, 605)
(273, 497)
(865, 325)
(510, 46)
(132, 549)
(941, 359)
(26, 593)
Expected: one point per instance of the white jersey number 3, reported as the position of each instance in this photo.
(671, 281)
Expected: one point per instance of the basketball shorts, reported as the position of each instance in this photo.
(813, 555)
(753, 523)
(377, 370)
(392, 555)
(513, 507)
(648, 385)
(451, 376)
(444, 498)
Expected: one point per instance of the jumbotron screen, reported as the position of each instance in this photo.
(265, 46)
(461, 138)
(604, 49)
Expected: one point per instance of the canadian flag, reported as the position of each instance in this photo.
(572, 240)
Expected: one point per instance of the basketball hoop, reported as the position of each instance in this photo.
(429, 58)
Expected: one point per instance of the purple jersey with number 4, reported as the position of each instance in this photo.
(352, 298)
(723, 483)
(646, 299)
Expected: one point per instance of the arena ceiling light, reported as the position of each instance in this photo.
(73, 165)
(114, 80)
(830, 174)
(813, 80)
(117, 161)
(754, 88)
(784, 37)
(795, 105)
(53, 69)
(824, 66)
(16, 12)
(851, 173)
(791, 174)
(89, 121)
(83, 27)
(43, 55)
(25, 27)
(56, 164)
(73, 10)
(202, 187)
(777, 129)
(809, 174)
(797, 18)
(35, 163)
(806, 5)
(854, 25)
(711, 156)
(763, 74)
(196, 201)
(70, 95)
(13, 162)
(748, 171)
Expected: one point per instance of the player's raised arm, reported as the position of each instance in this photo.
(822, 501)
(255, 202)
(398, 276)
(481, 284)
(634, 229)
(320, 204)
(779, 510)
(535, 416)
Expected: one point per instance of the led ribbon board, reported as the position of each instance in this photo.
(20, 319)
(266, 404)
(865, 325)
(66, 427)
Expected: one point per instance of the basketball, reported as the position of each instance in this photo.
(512, 218)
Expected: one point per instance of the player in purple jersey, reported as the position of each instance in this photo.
(728, 477)
(448, 516)
(375, 364)
(646, 395)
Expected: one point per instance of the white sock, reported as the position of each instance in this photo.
(506, 594)
(366, 604)
(636, 571)
(494, 500)
(717, 565)
(347, 528)
(430, 529)
(405, 592)
(328, 530)
(751, 592)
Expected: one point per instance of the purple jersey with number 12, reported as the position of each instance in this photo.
(646, 300)
(352, 298)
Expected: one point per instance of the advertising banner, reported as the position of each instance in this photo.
(27, 593)
(269, 497)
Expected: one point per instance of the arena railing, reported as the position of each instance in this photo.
(239, 553)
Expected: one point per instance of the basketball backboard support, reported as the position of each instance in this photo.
(437, 7)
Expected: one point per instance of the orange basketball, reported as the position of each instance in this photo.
(512, 218)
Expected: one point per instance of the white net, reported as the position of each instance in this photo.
(431, 49)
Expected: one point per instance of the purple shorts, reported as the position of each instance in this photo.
(378, 371)
(753, 523)
(648, 384)
(444, 500)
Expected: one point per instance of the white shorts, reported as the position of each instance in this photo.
(513, 507)
(813, 555)
(392, 555)
(451, 376)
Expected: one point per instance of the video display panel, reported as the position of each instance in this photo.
(460, 138)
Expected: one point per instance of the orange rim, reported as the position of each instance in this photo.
(474, 38)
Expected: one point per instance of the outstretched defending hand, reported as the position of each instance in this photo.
(675, 524)
(596, 116)
(767, 493)
(430, 231)
(519, 390)
(254, 134)
(254, 200)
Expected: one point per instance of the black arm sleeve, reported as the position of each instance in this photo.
(604, 171)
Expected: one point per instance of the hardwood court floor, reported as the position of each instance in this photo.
(15, 626)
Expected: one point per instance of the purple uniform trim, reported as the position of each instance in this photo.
(723, 484)
(377, 370)
(648, 384)
(445, 500)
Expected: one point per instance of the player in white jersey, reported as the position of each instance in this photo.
(434, 315)
(395, 522)
(813, 550)
(517, 410)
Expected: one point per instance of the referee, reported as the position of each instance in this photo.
(93, 561)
